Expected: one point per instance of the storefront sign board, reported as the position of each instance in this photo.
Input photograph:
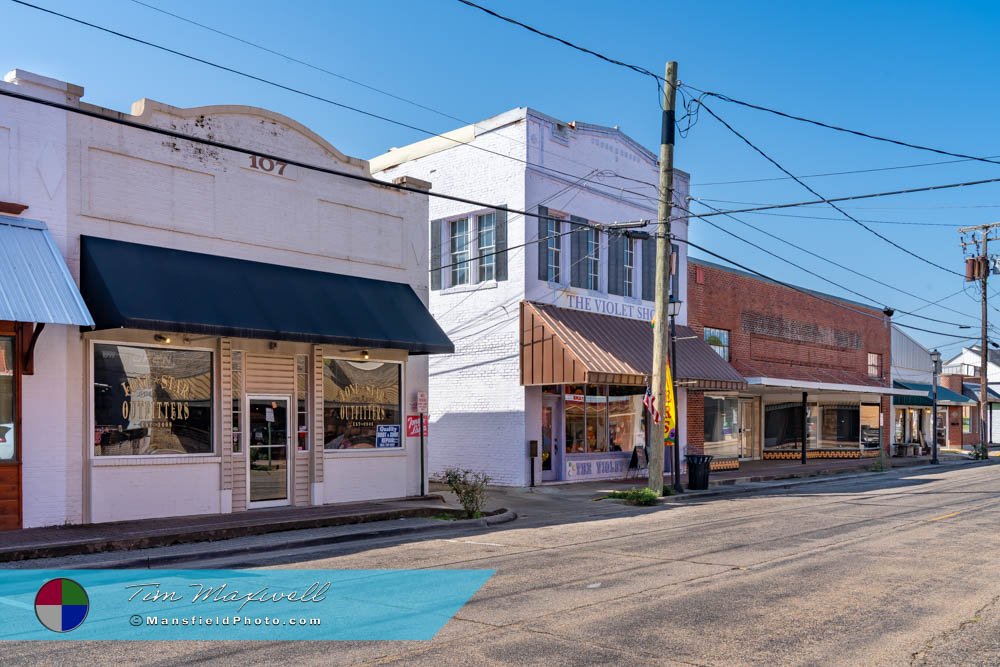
(413, 426)
(604, 467)
(387, 435)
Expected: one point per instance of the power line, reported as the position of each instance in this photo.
(820, 217)
(838, 128)
(635, 68)
(831, 173)
(307, 94)
(814, 192)
(293, 59)
(838, 265)
(802, 290)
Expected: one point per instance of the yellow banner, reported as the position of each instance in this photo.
(669, 412)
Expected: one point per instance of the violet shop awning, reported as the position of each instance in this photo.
(129, 285)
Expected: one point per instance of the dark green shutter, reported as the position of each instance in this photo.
(500, 236)
(649, 269)
(578, 250)
(436, 254)
(543, 232)
(616, 262)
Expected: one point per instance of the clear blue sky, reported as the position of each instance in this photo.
(923, 71)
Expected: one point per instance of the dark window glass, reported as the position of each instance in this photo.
(151, 400)
(361, 407)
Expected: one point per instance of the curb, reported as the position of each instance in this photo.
(502, 516)
(108, 545)
(735, 488)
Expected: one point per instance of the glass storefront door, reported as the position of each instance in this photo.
(747, 429)
(268, 447)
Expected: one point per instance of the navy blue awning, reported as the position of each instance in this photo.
(128, 285)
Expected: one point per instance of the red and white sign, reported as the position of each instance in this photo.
(413, 426)
(422, 402)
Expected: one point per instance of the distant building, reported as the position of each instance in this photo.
(966, 364)
(553, 345)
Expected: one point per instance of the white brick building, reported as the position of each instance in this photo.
(485, 410)
(261, 329)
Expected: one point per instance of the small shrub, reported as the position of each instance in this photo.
(638, 496)
(877, 466)
(470, 488)
(978, 454)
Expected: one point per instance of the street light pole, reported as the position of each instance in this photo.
(936, 360)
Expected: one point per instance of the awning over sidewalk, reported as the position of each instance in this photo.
(146, 287)
(35, 283)
(945, 396)
(971, 390)
(813, 386)
(563, 346)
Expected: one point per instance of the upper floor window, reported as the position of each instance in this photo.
(718, 340)
(628, 263)
(486, 234)
(460, 254)
(874, 365)
(593, 260)
(553, 249)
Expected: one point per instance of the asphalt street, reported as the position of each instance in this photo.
(891, 569)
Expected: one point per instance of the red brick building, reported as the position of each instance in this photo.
(793, 348)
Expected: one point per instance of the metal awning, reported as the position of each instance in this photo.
(922, 395)
(128, 285)
(971, 390)
(806, 385)
(35, 283)
(563, 346)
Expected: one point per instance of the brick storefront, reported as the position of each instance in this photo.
(786, 343)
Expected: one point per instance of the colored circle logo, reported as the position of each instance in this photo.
(61, 605)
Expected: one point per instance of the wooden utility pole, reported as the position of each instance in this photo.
(661, 332)
(980, 270)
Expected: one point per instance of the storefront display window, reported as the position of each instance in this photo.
(302, 396)
(871, 429)
(783, 426)
(966, 420)
(722, 426)
(150, 400)
(602, 419)
(8, 401)
(841, 426)
(362, 407)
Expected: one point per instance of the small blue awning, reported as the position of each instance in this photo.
(35, 283)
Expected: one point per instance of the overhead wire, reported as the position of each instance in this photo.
(834, 263)
(817, 194)
(307, 94)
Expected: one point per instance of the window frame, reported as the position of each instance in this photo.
(877, 365)
(553, 249)
(403, 449)
(92, 456)
(485, 257)
(628, 267)
(460, 266)
(593, 259)
(713, 331)
(16, 374)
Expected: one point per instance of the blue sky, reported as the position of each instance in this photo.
(920, 71)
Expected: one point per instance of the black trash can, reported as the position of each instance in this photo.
(698, 465)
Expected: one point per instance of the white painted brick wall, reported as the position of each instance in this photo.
(481, 417)
(85, 176)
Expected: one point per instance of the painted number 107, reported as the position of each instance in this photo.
(267, 164)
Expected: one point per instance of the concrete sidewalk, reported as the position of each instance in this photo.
(380, 518)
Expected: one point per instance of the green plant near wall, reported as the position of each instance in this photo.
(470, 489)
(714, 340)
(637, 496)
